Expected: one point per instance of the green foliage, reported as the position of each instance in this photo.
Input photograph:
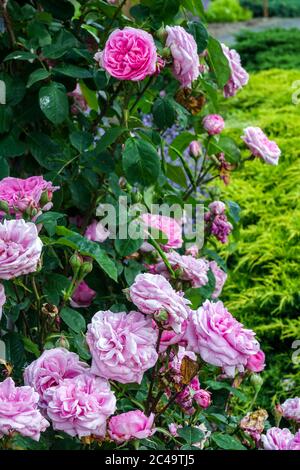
(227, 11)
(273, 48)
(264, 266)
(285, 8)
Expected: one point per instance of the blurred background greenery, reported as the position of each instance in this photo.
(263, 288)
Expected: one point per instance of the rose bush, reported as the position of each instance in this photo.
(111, 316)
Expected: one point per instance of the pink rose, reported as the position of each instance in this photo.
(256, 363)
(169, 337)
(261, 146)
(129, 54)
(131, 425)
(213, 124)
(220, 278)
(81, 406)
(195, 148)
(173, 428)
(20, 248)
(295, 443)
(83, 296)
(24, 194)
(50, 369)
(168, 226)
(19, 411)
(2, 299)
(277, 439)
(191, 269)
(217, 223)
(291, 409)
(96, 232)
(203, 398)
(186, 65)
(79, 101)
(122, 345)
(153, 294)
(219, 338)
(239, 77)
(192, 250)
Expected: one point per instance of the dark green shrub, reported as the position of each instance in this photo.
(264, 50)
(285, 8)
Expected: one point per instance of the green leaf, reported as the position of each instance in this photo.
(131, 271)
(190, 435)
(36, 76)
(226, 145)
(176, 174)
(19, 442)
(49, 221)
(4, 168)
(128, 246)
(71, 70)
(81, 140)
(194, 6)
(54, 102)
(63, 42)
(200, 34)
(82, 347)
(54, 285)
(227, 442)
(87, 248)
(164, 113)
(47, 153)
(164, 9)
(141, 162)
(234, 211)
(180, 143)
(110, 136)
(20, 55)
(30, 346)
(73, 319)
(218, 62)
(6, 116)
(10, 146)
(15, 352)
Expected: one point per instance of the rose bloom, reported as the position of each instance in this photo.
(217, 207)
(19, 412)
(129, 54)
(291, 409)
(20, 248)
(239, 77)
(131, 425)
(81, 406)
(122, 345)
(295, 443)
(220, 278)
(23, 194)
(186, 65)
(50, 369)
(168, 226)
(203, 398)
(191, 269)
(96, 232)
(169, 337)
(2, 299)
(256, 363)
(219, 338)
(192, 250)
(153, 294)
(83, 296)
(213, 124)
(277, 439)
(260, 146)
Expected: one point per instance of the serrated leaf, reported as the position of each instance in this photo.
(73, 319)
(164, 113)
(54, 102)
(71, 70)
(200, 34)
(190, 435)
(141, 162)
(218, 62)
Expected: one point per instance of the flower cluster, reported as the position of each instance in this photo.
(216, 221)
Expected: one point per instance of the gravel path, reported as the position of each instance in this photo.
(226, 32)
